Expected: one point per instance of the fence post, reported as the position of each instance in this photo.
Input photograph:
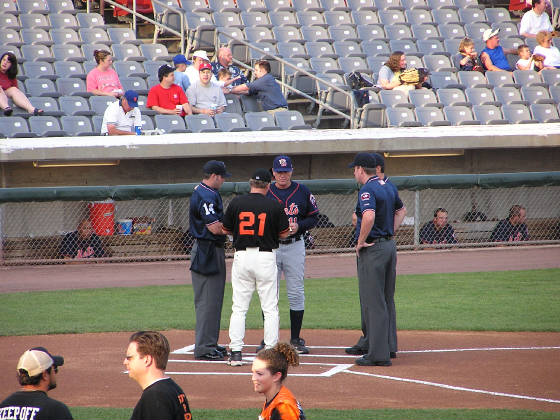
(416, 217)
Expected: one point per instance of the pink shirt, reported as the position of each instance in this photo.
(105, 81)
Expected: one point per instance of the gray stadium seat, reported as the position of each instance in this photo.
(71, 86)
(481, 96)
(34, 21)
(290, 120)
(350, 64)
(438, 62)
(90, 20)
(426, 31)
(418, 16)
(471, 15)
(390, 17)
(450, 31)
(507, 29)
(46, 126)
(250, 104)
(431, 116)
(489, 114)
(95, 36)
(310, 5)
(365, 17)
(475, 30)
(255, 19)
(61, 6)
(9, 21)
(288, 34)
(97, 121)
(528, 78)
(473, 79)
(260, 121)
(134, 83)
(459, 115)
(344, 33)
(68, 53)
(64, 21)
(40, 70)
(292, 50)
(154, 52)
(338, 17)
(47, 104)
(445, 16)
(415, 4)
(33, 6)
(36, 53)
(252, 5)
(89, 49)
(423, 97)
(372, 115)
(123, 36)
(388, 4)
(283, 18)
(536, 95)
(334, 5)
(545, 113)
(171, 123)
(394, 99)
(376, 47)
(230, 122)
(15, 127)
(551, 76)
(325, 65)
(223, 5)
(463, 4)
(99, 103)
(130, 69)
(497, 14)
(311, 18)
(75, 105)
(259, 34)
(65, 36)
(129, 52)
(401, 117)
(201, 123)
(408, 46)
(517, 113)
(508, 95)
(348, 49)
(9, 6)
(439, 4)
(278, 5)
(77, 125)
(315, 33)
(41, 87)
(233, 104)
(444, 79)
(374, 31)
(228, 19)
(320, 50)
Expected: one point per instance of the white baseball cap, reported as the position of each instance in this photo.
(489, 33)
(201, 54)
(37, 360)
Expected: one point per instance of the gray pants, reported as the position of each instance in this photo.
(376, 277)
(208, 300)
(290, 260)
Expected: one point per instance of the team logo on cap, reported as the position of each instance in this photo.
(364, 196)
(282, 162)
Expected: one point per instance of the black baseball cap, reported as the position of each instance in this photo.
(365, 160)
(379, 159)
(216, 167)
(262, 174)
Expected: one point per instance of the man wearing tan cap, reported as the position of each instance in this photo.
(36, 372)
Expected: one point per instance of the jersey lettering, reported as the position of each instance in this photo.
(209, 208)
(247, 223)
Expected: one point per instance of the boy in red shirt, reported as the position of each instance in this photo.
(167, 97)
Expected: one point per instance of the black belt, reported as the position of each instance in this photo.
(290, 240)
(370, 240)
(260, 249)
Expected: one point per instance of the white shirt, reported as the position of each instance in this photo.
(194, 75)
(114, 115)
(552, 55)
(532, 24)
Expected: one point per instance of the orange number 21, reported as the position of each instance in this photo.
(247, 223)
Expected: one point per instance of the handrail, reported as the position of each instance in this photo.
(351, 117)
(135, 14)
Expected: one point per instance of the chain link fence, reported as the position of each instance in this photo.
(38, 225)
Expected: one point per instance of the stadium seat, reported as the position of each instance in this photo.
(365, 17)
(371, 32)
(335, 5)
(444, 79)
(475, 30)
(255, 19)
(129, 52)
(508, 95)
(9, 6)
(545, 113)
(418, 16)
(68, 53)
(408, 46)
(33, 6)
(36, 52)
(47, 104)
(224, 6)
(252, 5)
(376, 47)
(350, 64)
(35, 36)
(445, 16)
(288, 34)
(95, 36)
(394, 99)
(430, 46)
(372, 115)
(459, 115)
(201, 123)
(290, 120)
(426, 31)
(344, 33)
(551, 76)
(71, 86)
(388, 4)
(15, 127)
(152, 52)
(9, 21)
(401, 117)
(260, 121)
(292, 50)
(171, 123)
(507, 29)
(481, 96)
(65, 36)
(308, 5)
(325, 65)
(390, 17)
(64, 21)
(528, 78)
(259, 34)
(89, 49)
(134, 83)
(517, 113)
(230, 122)
(77, 125)
(283, 18)
(233, 104)
(536, 95)
(431, 116)
(440, 4)
(471, 15)
(61, 6)
(228, 19)
(97, 121)
(90, 20)
(497, 14)
(279, 5)
(46, 126)
(452, 47)
(438, 62)
(75, 105)
(34, 21)
(316, 33)
(41, 87)
(473, 79)
(40, 70)
(452, 30)
(415, 4)
(348, 49)
(338, 17)
(130, 69)
(489, 114)
(423, 97)
(99, 103)
(123, 36)
(250, 104)
(463, 4)
(414, 59)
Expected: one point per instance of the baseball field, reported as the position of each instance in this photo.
(479, 337)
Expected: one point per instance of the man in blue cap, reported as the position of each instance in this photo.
(122, 117)
(181, 79)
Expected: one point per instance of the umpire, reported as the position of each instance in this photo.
(208, 265)
(379, 211)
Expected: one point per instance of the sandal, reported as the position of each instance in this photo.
(8, 111)
(38, 111)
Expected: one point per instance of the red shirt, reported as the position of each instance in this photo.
(167, 98)
(6, 83)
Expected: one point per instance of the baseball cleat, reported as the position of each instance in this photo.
(235, 359)
(299, 344)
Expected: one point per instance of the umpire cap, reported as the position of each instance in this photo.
(262, 174)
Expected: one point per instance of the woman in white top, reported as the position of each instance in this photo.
(389, 72)
(546, 49)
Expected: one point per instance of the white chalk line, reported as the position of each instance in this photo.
(455, 388)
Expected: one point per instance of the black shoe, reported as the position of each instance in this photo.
(214, 355)
(362, 361)
(299, 344)
(355, 351)
(8, 111)
(393, 354)
(221, 349)
(235, 359)
(260, 346)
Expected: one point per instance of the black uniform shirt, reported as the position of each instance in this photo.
(162, 400)
(36, 405)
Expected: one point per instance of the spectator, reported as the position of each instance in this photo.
(82, 243)
(528, 61)
(104, 80)
(198, 58)
(205, 96)
(224, 76)
(390, 71)
(9, 87)
(513, 228)
(225, 61)
(414, 79)
(146, 359)
(545, 48)
(270, 369)
(474, 215)
(36, 373)
(167, 97)
(494, 56)
(535, 20)
(265, 88)
(122, 117)
(181, 79)
(468, 59)
(438, 231)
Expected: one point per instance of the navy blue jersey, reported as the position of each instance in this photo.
(206, 208)
(430, 235)
(381, 196)
(299, 204)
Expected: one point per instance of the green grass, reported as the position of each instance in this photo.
(96, 413)
(496, 301)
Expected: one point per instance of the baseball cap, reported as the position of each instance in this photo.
(489, 33)
(379, 159)
(282, 164)
(216, 167)
(365, 160)
(205, 66)
(36, 360)
(131, 97)
(180, 59)
(201, 54)
(262, 174)
(164, 71)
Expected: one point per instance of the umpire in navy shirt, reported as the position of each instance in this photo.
(379, 211)
(208, 265)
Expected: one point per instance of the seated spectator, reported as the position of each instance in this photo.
(103, 80)
(82, 243)
(535, 20)
(224, 76)
(205, 96)
(414, 79)
(180, 78)
(474, 215)
(9, 87)
(494, 56)
(167, 97)
(225, 61)
(545, 48)
(513, 228)
(265, 88)
(198, 58)
(122, 117)
(528, 61)
(438, 231)
(468, 57)
(389, 72)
